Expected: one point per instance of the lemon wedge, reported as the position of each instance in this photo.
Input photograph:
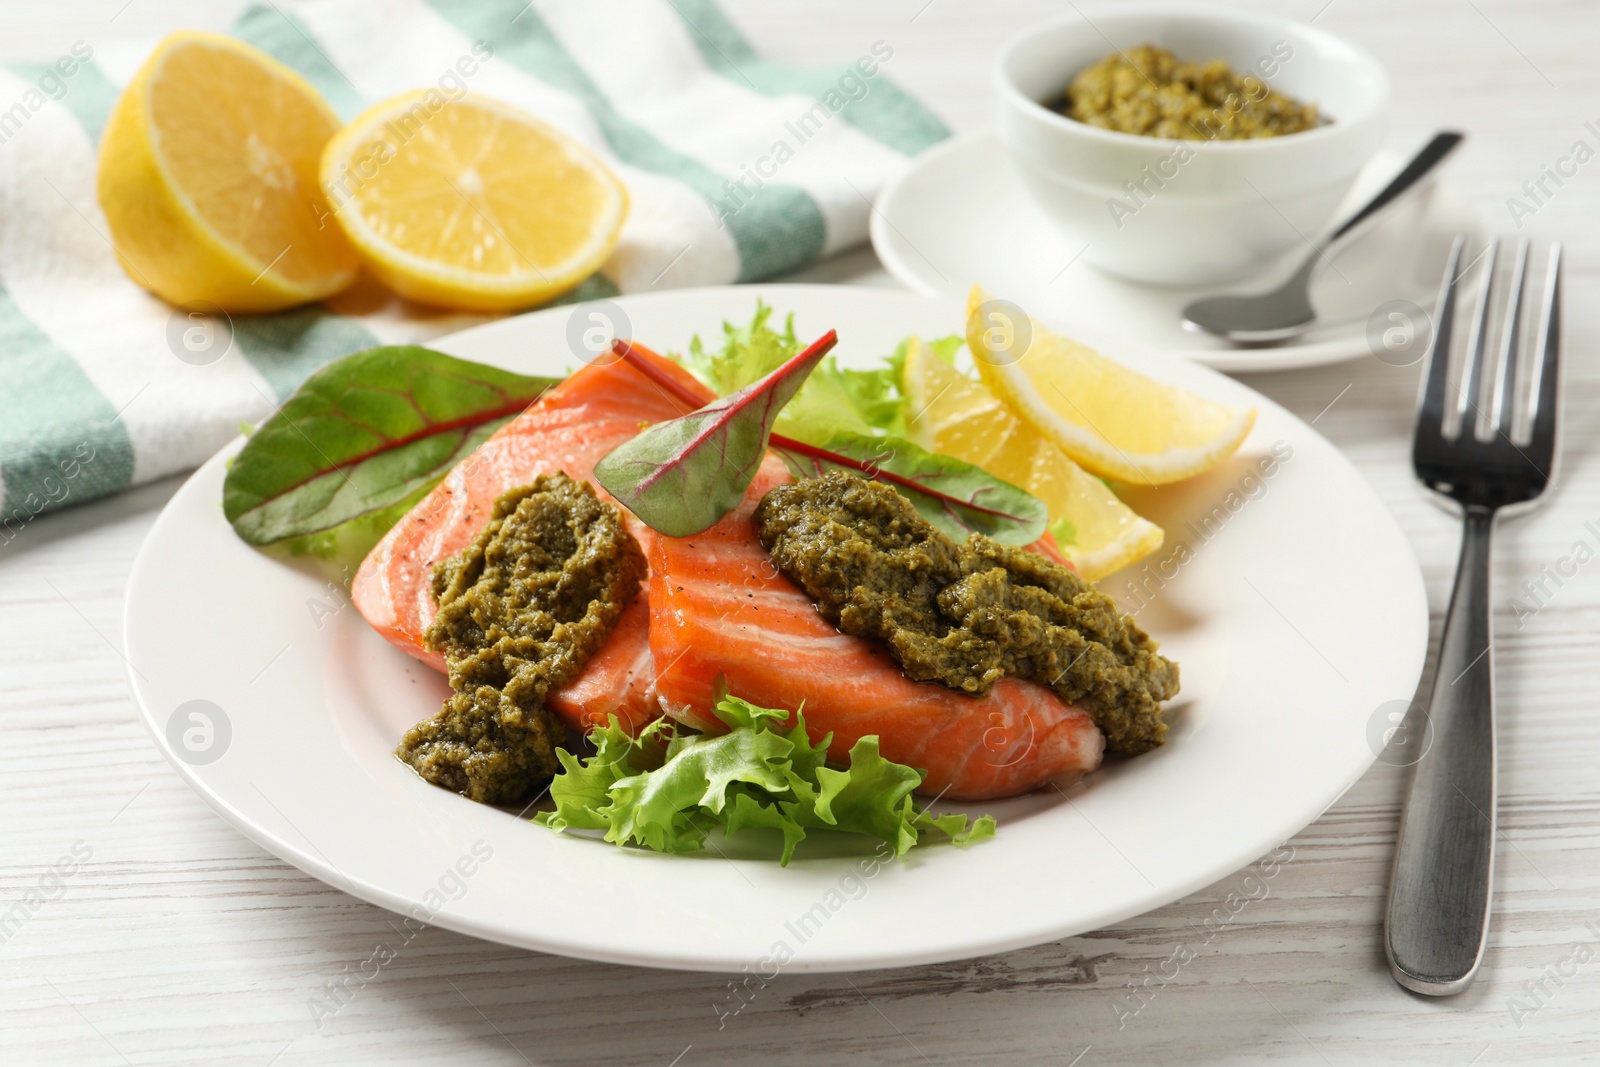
(1112, 420)
(208, 179)
(471, 203)
(950, 413)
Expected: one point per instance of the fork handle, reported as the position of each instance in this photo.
(1438, 919)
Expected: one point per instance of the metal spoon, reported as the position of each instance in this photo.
(1286, 311)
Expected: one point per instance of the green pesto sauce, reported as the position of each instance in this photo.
(965, 614)
(521, 610)
(1147, 90)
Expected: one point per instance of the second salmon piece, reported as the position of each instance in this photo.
(722, 615)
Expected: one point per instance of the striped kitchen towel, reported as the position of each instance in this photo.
(737, 169)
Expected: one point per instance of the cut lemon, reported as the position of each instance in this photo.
(208, 179)
(1112, 420)
(954, 415)
(470, 203)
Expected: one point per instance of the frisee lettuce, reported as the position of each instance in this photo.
(1065, 531)
(834, 399)
(667, 790)
(747, 353)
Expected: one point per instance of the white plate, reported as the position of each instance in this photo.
(1299, 615)
(960, 215)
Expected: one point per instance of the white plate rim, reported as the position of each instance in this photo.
(1408, 665)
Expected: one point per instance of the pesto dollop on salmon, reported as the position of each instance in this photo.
(965, 614)
(521, 609)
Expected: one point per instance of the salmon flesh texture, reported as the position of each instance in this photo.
(569, 429)
(722, 618)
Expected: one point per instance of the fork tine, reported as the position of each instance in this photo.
(1503, 412)
(1470, 390)
(1436, 368)
(1547, 371)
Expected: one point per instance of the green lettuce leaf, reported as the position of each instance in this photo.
(825, 406)
(833, 400)
(667, 791)
(878, 396)
(747, 354)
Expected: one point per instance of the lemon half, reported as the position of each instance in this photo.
(471, 203)
(208, 177)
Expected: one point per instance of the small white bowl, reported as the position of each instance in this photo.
(1176, 212)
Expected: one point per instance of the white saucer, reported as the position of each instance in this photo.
(960, 215)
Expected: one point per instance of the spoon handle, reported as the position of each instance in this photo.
(1432, 154)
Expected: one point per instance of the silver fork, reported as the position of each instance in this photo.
(1484, 459)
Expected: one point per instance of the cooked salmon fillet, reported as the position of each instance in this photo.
(623, 667)
(568, 429)
(722, 615)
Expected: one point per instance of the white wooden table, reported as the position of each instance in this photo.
(176, 940)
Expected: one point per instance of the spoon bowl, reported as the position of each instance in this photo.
(1258, 318)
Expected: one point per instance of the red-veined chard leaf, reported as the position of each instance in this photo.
(955, 496)
(361, 441)
(682, 475)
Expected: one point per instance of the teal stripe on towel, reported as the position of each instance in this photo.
(777, 228)
(287, 346)
(88, 94)
(880, 108)
(285, 38)
(595, 287)
(62, 439)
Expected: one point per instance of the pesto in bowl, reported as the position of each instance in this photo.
(1149, 91)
